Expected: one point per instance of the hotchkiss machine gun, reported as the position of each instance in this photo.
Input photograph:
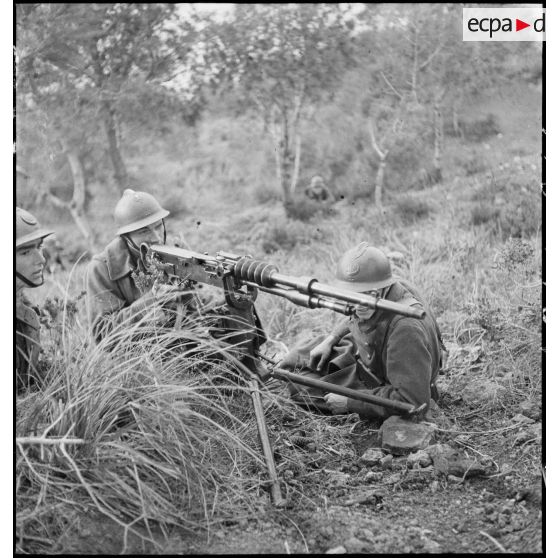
(241, 277)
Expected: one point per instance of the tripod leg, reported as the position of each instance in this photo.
(276, 496)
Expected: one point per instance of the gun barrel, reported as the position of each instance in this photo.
(312, 286)
(309, 301)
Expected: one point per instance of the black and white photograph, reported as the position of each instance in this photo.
(279, 278)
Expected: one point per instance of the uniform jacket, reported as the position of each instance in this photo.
(27, 345)
(110, 288)
(399, 357)
(390, 356)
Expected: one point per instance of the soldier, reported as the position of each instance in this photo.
(30, 264)
(113, 297)
(318, 191)
(384, 354)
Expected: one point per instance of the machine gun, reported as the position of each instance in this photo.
(241, 277)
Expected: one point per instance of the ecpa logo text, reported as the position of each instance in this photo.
(495, 24)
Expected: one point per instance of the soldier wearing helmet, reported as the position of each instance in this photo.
(30, 264)
(385, 354)
(318, 191)
(112, 294)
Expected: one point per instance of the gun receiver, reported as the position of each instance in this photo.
(234, 272)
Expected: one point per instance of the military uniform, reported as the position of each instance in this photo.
(27, 345)
(111, 288)
(391, 356)
(385, 354)
(318, 191)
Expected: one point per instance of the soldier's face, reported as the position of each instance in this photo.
(152, 234)
(364, 313)
(30, 262)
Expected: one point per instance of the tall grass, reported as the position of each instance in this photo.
(150, 435)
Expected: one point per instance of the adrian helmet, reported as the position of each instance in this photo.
(136, 210)
(363, 269)
(28, 228)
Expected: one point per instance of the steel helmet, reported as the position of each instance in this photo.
(28, 228)
(362, 269)
(136, 210)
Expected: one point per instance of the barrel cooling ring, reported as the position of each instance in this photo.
(255, 271)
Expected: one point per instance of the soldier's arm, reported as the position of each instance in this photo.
(408, 370)
(340, 331)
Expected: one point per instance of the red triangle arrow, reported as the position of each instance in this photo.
(519, 25)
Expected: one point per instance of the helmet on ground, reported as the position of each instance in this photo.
(136, 210)
(362, 269)
(28, 228)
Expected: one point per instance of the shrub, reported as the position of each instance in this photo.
(521, 219)
(177, 202)
(481, 214)
(480, 129)
(404, 159)
(156, 434)
(412, 209)
(475, 165)
(266, 193)
(303, 209)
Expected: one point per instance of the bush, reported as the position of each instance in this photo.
(475, 165)
(303, 209)
(158, 434)
(481, 129)
(481, 214)
(411, 209)
(285, 234)
(177, 202)
(404, 160)
(266, 193)
(521, 219)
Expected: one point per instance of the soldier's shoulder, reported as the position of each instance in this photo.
(104, 255)
(404, 325)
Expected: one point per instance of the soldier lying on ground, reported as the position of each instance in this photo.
(385, 354)
(30, 264)
(113, 297)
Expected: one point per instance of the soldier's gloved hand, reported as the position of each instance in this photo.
(320, 353)
(337, 404)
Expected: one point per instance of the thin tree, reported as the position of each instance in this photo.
(284, 58)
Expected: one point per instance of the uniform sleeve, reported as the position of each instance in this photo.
(408, 369)
(341, 330)
(105, 308)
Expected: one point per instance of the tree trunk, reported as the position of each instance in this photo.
(76, 206)
(455, 120)
(296, 169)
(380, 183)
(120, 171)
(438, 142)
(414, 71)
(285, 162)
(382, 155)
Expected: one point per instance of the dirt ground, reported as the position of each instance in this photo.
(338, 505)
